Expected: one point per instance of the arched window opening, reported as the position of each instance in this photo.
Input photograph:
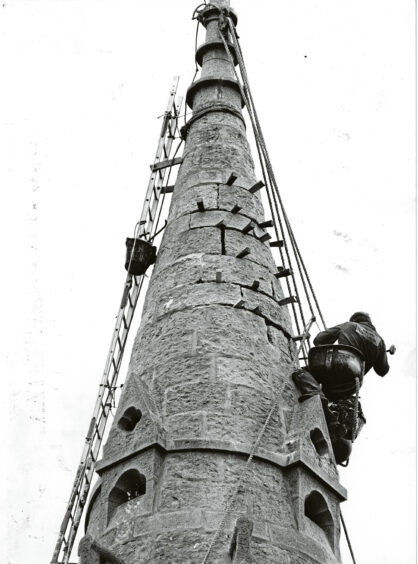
(316, 509)
(319, 442)
(130, 419)
(130, 485)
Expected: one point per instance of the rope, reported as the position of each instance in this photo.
(265, 178)
(355, 414)
(348, 538)
(252, 453)
(259, 135)
(265, 163)
(241, 479)
(274, 197)
(263, 154)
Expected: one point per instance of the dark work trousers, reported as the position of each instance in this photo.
(309, 387)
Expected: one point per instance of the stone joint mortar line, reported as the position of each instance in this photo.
(226, 228)
(217, 209)
(282, 460)
(187, 257)
(241, 286)
(197, 306)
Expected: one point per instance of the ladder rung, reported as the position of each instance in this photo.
(289, 300)
(166, 164)
(247, 228)
(264, 224)
(232, 177)
(244, 252)
(301, 337)
(200, 205)
(282, 272)
(265, 237)
(256, 187)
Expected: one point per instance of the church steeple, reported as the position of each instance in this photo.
(213, 351)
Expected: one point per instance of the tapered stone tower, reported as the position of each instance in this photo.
(213, 349)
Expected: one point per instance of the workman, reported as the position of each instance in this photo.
(358, 332)
(361, 334)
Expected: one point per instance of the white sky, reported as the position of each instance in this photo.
(82, 85)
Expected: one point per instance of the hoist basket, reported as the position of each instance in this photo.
(336, 367)
(140, 254)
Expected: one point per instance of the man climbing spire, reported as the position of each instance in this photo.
(360, 333)
(334, 379)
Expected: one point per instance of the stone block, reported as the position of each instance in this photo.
(235, 242)
(243, 430)
(242, 371)
(267, 308)
(185, 199)
(196, 396)
(182, 368)
(213, 218)
(237, 271)
(190, 480)
(228, 158)
(251, 205)
(191, 296)
(202, 268)
(186, 425)
(189, 243)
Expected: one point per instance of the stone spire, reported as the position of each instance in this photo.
(213, 349)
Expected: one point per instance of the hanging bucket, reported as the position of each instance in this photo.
(144, 254)
(336, 367)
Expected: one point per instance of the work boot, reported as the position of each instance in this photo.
(306, 384)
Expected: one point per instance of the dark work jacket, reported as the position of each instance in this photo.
(363, 337)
